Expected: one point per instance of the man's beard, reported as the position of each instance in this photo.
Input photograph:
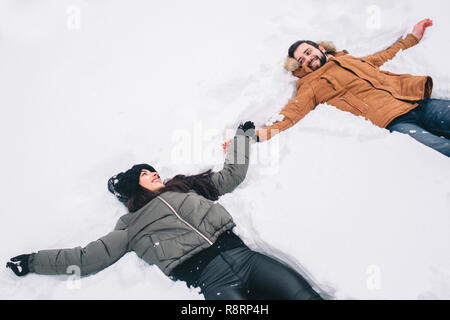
(322, 60)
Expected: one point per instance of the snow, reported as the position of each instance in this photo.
(91, 88)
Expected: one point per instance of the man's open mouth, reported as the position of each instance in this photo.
(313, 61)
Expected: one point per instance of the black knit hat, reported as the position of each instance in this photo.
(123, 185)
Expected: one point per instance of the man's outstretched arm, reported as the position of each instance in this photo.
(293, 112)
(413, 38)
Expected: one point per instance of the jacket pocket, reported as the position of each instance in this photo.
(390, 73)
(327, 89)
(176, 247)
(146, 250)
(349, 102)
(369, 63)
(331, 81)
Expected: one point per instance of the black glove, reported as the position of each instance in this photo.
(246, 126)
(249, 130)
(246, 129)
(19, 261)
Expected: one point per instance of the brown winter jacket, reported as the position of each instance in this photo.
(356, 85)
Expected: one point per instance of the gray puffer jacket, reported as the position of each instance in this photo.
(165, 232)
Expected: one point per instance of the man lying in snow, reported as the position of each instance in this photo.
(357, 85)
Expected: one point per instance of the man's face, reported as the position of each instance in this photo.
(308, 55)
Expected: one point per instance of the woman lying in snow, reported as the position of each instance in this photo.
(179, 227)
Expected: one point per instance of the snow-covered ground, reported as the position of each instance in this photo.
(89, 88)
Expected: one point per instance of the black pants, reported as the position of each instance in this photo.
(241, 274)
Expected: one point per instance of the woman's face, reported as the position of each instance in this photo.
(150, 180)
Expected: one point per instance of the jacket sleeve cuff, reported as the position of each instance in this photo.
(31, 262)
(261, 135)
(248, 133)
(412, 40)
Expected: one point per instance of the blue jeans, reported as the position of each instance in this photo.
(429, 124)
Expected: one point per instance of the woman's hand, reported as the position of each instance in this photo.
(419, 28)
(19, 261)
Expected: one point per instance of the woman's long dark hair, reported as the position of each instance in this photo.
(200, 183)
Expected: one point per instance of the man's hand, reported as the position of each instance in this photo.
(226, 144)
(420, 27)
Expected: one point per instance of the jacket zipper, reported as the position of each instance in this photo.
(185, 222)
(350, 70)
(352, 105)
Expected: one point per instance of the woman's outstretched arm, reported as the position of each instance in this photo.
(236, 161)
(94, 257)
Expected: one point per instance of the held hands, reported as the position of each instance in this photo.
(246, 126)
(19, 261)
(419, 28)
(243, 128)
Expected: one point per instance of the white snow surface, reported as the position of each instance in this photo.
(90, 88)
